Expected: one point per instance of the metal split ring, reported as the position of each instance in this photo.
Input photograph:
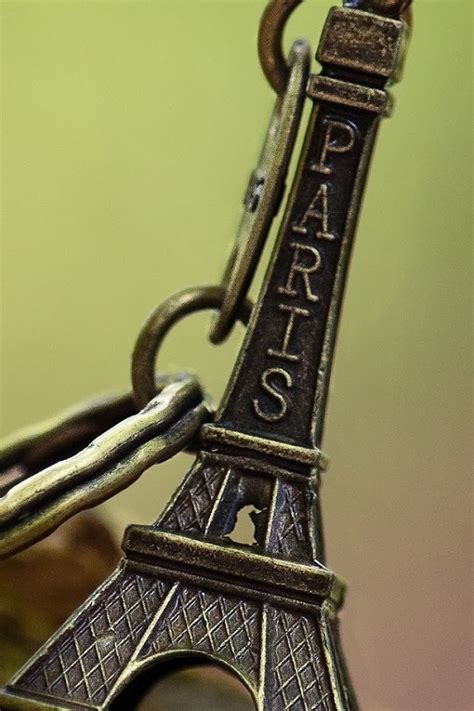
(264, 193)
(276, 15)
(157, 326)
(270, 42)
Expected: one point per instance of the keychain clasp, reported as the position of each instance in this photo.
(272, 25)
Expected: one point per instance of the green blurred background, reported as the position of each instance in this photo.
(129, 131)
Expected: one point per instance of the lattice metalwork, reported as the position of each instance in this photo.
(224, 626)
(83, 662)
(291, 524)
(194, 502)
(271, 420)
(295, 660)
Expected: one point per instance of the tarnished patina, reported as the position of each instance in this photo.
(36, 506)
(186, 587)
(264, 193)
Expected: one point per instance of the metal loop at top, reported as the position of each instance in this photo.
(272, 25)
(270, 42)
(159, 323)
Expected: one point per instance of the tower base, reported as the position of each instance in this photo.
(270, 621)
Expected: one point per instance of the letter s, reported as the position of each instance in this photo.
(269, 387)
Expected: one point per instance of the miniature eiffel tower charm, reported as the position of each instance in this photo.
(268, 612)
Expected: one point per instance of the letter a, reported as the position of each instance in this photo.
(314, 213)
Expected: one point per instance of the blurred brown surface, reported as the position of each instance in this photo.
(40, 587)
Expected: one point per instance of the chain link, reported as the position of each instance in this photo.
(33, 508)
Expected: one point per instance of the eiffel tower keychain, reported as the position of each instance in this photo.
(267, 612)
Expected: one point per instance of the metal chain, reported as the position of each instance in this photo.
(33, 508)
(35, 447)
(38, 499)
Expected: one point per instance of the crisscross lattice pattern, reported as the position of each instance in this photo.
(291, 524)
(296, 661)
(210, 622)
(83, 662)
(194, 502)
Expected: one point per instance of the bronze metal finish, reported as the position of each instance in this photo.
(159, 323)
(38, 446)
(359, 41)
(276, 15)
(34, 447)
(264, 192)
(270, 42)
(266, 609)
(36, 506)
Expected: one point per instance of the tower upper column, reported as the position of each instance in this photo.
(279, 387)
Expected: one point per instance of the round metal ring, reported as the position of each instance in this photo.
(272, 25)
(157, 326)
(270, 40)
(264, 192)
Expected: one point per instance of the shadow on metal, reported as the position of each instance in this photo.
(185, 683)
